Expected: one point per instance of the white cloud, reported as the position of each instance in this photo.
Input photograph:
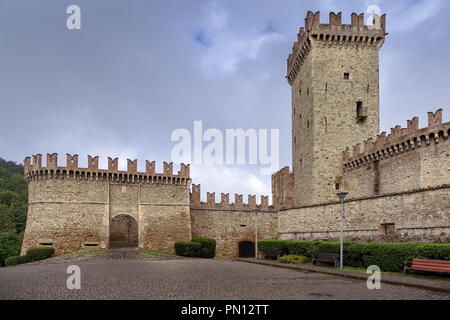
(228, 48)
(219, 179)
(406, 16)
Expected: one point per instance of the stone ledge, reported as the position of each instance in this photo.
(429, 284)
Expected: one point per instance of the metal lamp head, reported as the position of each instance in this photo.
(342, 195)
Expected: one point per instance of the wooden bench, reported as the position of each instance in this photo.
(273, 255)
(328, 258)
(440, 266)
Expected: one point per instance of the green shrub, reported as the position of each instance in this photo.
(294, 259)
(11, 261)
(208, 249)
(390, 257)
(15, 260)
(188, 249)
(274, 245)
(302, 248)
(35, 254)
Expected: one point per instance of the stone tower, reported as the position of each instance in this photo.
(334, 75)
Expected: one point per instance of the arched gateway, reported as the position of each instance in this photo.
(123, 230)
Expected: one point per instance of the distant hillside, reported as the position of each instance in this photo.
(13, 208)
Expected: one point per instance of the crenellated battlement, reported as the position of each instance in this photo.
(238, 203)
(400, 140)
(334, 33)
(33, 170)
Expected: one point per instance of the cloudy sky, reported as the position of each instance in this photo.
(137, 70)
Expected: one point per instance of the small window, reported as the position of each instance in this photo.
(346, 76)
(91, 244)
(361, 113)
(337, 186)
(387, 229)
(307, 124)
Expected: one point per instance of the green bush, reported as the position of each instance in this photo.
(35, 254)
(188, 249)
(294, 259)
(15, 260)
(208, 249)
(389, 256)
(11, 261)
(273, 245)
(302, 248)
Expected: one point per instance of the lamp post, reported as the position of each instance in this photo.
(256, 233)
(341, 196)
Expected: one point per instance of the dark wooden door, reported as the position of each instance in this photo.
(246, 249)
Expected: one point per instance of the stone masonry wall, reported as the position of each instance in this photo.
(406, 159)
(230, 223)
(71, 208)
(420, 215)
(333, 69)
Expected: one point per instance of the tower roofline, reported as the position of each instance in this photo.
(356, 32)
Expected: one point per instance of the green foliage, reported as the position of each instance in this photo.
(302, 248)
(273, 245)
(13, 209)
(188, 249)
(294, 259)
(36, 254)
(208, 249)
(390, 257)
(198, 247)
(15, 260)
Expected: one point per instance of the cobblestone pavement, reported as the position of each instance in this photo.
(126, 274)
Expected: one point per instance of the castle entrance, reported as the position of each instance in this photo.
(246, 249)
(123, 231)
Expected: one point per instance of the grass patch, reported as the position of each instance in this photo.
(293, 259)
(81, 253)
(156, 253)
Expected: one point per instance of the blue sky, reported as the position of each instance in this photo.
(137, 70)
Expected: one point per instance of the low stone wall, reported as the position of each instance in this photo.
(229, 226)
(419, 215)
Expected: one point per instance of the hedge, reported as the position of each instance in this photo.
(208, 249)
(36, 254)
(388, 256)
(33, 254)
(15, 260)
(188, 249)
(198, 247)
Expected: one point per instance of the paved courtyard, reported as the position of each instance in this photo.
(125, 274)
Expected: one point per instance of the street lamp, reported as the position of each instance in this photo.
(341, 196)
(256, 233)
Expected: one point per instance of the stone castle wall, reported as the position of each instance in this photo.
(71, 208)
(420, 215)
(397, 184)
(407, 159)
(231, 223)
(332, 69)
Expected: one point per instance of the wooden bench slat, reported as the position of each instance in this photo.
(442, 266)
(430, 267)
